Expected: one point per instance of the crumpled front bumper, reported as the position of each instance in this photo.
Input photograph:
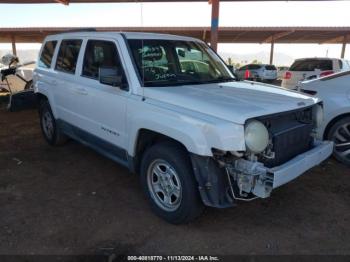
(221, 185)
(256, 179)
(300, 164)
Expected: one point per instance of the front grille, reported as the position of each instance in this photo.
(290, 143)
(291, 135)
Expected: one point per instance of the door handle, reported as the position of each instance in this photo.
(80, 91)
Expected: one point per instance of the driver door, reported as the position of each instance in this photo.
(101, 107)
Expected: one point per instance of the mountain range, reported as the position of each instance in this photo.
(279, 59)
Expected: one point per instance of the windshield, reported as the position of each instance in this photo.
(173, 62)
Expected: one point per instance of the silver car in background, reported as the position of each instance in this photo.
(258, 72)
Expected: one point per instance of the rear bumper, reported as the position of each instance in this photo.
(301, 163)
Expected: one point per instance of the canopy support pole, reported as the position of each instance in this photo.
(342, 55)
(13, 41)
(215, 6)
(271, 51)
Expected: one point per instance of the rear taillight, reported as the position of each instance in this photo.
(326, 73)
(287, 75)
(247, 74)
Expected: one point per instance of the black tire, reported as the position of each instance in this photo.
(339, 133)
(29, 85)
(190, 205)
(57, 137)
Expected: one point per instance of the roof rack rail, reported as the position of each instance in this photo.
(88, 29)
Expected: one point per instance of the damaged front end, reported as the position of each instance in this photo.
(292, 150)
(224, 179)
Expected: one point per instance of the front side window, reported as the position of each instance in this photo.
(68, 56)
(47, 54)
(174, 62)
(99, 54)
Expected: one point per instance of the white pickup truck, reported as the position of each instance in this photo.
(169, 109)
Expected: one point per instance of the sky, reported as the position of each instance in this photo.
(283, 13)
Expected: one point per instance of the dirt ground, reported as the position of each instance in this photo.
(70, 200)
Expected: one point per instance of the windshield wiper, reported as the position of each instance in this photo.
(177, 81)
(222, 79)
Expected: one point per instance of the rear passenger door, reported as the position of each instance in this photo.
(101, 108)
(65, 83)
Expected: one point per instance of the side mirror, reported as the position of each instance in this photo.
(110, 76)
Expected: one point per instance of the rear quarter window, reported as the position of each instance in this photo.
(270, 67)
(254, 67)
(68, 56)
(47, 54)
(311, 65)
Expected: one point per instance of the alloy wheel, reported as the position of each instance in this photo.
(47, 123)
(341, 139)
(164, 185)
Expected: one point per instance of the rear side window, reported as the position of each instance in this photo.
(98, 54)
(340, 64)
(47, 54)
(68, 56)
(311, 65)
(270, 67)
(254, 67)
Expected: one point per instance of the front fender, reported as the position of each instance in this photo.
(329, 117)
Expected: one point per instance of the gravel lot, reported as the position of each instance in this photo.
(70, 200)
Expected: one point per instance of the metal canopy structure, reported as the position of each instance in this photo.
(270, 35)
(288, 35)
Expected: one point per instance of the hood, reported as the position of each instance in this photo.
(232, 101)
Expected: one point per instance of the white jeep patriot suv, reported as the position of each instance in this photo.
(169, 109)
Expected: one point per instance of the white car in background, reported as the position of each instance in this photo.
(312, 68)
(334, 90)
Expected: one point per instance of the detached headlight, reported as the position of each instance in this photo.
(318, 115)
(256, 136)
